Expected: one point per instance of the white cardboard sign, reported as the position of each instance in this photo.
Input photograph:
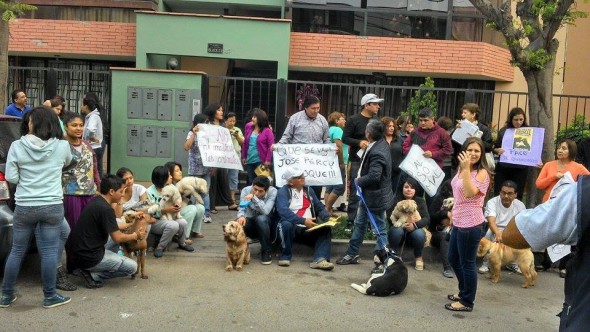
(422, 169)
(319, 162)
(217, 149)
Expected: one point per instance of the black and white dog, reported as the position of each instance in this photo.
(391, 282)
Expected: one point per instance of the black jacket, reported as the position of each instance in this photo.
(375, 179)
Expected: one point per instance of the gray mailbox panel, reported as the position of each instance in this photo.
(134, 103)
(133, 140)
(187, 104)
(150, 103)
(165, 104)
(181, 156)
(148, 141)
(163, 142)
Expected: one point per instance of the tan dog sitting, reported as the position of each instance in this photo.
(500, 255)
(406, 211)
(139, 222)
(236, 250)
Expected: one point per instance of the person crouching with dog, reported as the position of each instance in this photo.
(96, 223)
(256, 205)
(299, 208)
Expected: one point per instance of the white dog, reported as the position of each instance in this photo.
(192, 185)
(170, 197)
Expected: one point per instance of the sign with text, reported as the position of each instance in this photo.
(215, 48)
(523, 146)
(464, 130)
(217, 149)
(422, 169)
(319, 163)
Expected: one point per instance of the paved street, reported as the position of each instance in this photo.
(193, 292)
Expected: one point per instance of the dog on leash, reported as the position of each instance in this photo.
(170, 197)
(139, 223)
(237, 251)
(192, 185)
(391, 282)
(500, 255)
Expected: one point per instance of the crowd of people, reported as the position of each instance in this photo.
(63, 198)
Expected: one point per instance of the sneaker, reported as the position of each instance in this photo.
(448, 273)
(349, 259)
(322, 265)
(55, 301)
(6, 301)
(63, 282)
(284, 262)
(207, 219)
(483, 269)
(158, 252)
(266, 258)
(380, 268)
(348, 228)
(513, 268)
(90, 282)
(419, 265)
(186, 247)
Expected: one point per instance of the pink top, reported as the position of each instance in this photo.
(468, 212)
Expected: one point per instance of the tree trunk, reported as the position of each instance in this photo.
(540, 93)
(4, 36)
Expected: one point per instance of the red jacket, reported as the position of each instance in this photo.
(435, 140)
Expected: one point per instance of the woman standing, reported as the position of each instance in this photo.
(34, 163)
(336, 120)
(81, 181)
(470, 185)
(505, 171)
(412, 232)
(395, 147)
(192, 213)
(258, 141)
(195, 162)
(237, 138)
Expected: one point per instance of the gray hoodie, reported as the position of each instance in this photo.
(35, 166)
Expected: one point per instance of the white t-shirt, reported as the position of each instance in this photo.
(494, 208)
(136, 191)
(297, 203)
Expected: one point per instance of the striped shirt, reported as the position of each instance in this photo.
(302, 129)
(468, 212)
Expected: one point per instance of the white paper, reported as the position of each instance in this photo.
(217, 148)
(561, 184)
(464, 131)
(319, 162)
(558, 251)
(424, 170)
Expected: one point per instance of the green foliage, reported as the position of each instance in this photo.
(577, 130)
(423, 97)
(534, 59)
(338, 232)
(11, 11)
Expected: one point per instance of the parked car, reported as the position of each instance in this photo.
(9, 132)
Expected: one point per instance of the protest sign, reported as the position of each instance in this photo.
(217, 149)
(318, 161)
(465, 130)
(522, 146)
(422, 169)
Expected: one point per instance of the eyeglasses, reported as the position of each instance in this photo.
(503, 193)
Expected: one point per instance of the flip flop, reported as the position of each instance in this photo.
(449, 306)
(213, 211)
(452, 297)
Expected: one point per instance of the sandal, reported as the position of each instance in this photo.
(197, 235)
(232, 207)
(449, 306)
(419, 265)
(453, 297)
(188, 241)
(214, 211)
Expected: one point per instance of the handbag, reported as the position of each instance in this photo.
(263, 170)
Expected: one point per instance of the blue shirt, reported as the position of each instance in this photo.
(13, 110)
(252, 157)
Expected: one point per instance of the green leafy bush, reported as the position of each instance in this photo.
(577, 130)
(423, 97)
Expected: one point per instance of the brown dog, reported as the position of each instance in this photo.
(500, 255)
(236, 250)
(139, 222)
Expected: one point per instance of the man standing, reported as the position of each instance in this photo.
(19, 105)
(93, 131)
(256, 215)
(298, 209)
(563, 219)
(354, 136)
(375, 183)
(96, 223)
(499, 211)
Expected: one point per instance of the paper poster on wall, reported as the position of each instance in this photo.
(318, 161)
(217, 149)
(424, 170)
(523, 146)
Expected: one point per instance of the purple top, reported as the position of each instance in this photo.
(263, 143)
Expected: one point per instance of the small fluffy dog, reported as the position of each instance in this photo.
(448, 203)
(237, 251)
(139, 223)
(170, 197)
(500, 254)
(393, 281)
(192, 185)
(405, 211)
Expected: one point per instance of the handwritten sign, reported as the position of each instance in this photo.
(522, 146)
(217, 149)
(464, 130)
(422, 169)
(319, 163)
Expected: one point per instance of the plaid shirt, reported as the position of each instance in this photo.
(302, 129)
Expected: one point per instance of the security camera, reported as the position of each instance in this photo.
(172, 63)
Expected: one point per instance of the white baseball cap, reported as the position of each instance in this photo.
(370, 98)
(292, 172)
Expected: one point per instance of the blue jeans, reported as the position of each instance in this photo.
(416, 239)
(259, 227)
(26, 218)
(251, 174)
(63, 237)
(206, 198)
(232, 175)
(321, 239)
(462, 254)
(361, 222)
(113, 266)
